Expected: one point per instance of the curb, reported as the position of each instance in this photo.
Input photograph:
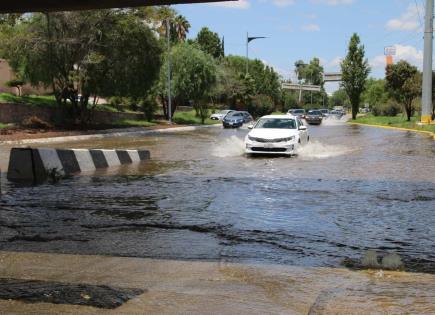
(106, 135)
(395, 128)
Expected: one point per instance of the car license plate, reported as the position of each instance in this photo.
(268, 145)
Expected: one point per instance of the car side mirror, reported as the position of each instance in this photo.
(250, 126)
(302, 127)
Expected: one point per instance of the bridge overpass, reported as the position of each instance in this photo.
(20, 6)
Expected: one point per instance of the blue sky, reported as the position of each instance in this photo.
(303, 29)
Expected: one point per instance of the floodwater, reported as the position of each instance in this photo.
(352, 189)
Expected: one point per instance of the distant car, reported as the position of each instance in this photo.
(336, 114)
(314, 117)
(247, 117)
(325, 112)
(221, 114)
(297, 112)
(276, 134)
(233, 120)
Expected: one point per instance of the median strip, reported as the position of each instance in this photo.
(40, 164)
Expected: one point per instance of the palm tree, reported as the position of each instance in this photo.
(181, 27)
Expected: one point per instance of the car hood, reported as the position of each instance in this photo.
(266, 133)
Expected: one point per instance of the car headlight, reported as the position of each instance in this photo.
(251, 138)
(289, 139)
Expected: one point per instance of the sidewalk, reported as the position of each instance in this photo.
(192, 287)
(107, 134)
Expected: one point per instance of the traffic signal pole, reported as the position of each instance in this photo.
(426, 100)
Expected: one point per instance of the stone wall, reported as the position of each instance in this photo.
(16, 113)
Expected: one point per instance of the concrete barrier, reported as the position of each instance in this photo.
(36, 164)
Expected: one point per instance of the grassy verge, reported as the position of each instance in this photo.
(32, 100)
(134, 123)
(3, 126)
(397, 121)
(189, 118)
(50, 101)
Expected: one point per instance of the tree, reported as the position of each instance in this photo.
(403, 82)
(261, 105)
(210, 42)
(355, 70)
(264, 78)
(193, 76)
(10, 19)
(311, 73)
(339, 98)
(86, 53)
(181, 27)
(16, 83)
(289, 100)
(375, 93)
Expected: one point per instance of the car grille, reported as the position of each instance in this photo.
(269, 140)
(259, 149)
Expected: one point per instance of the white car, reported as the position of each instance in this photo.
(276, 134)
(220, 115)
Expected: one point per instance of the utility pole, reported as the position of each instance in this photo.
(426, 100)
(168, 36)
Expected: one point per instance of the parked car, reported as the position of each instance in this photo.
(276, 134)
(297, 112)
(314, 117)
(325, 112)
(220, 115)
(233, 120)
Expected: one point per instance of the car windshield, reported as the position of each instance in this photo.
(298, 111)
(324, 110)
(224, 112)
(276, 123)
(236, 114)
(314, 112)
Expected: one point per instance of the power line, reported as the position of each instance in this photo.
(418, 12)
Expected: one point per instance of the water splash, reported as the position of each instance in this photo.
(317, 150)
(334, 121)
(229, 147)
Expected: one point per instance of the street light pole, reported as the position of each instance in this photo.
(169, 71)
(247, 53)
(426, 100)
(249, 39)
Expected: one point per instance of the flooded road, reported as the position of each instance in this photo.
(201, 226)
(351, 189)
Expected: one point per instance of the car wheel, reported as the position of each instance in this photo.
(308, 139)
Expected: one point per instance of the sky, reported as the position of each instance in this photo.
(303, 29)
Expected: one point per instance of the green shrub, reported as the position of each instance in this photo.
(149, 107)
(290, 100)
(391, 108)
(261, 105)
